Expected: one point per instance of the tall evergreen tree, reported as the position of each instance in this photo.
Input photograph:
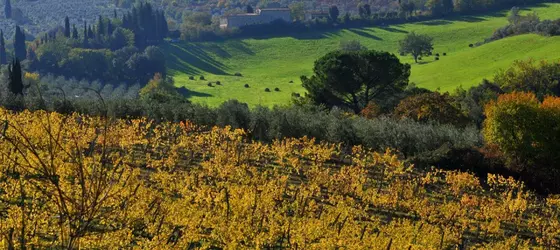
(333, 13)
(67, 27)
(447, 6)
(75, 32)
(164, 26)
(86, 37)
(249, 9)
(115, 14)
(8, 9)
(3, 56)
(15, 79)
(19, 43)
(110, 28)
(90, 33)
(100, 27)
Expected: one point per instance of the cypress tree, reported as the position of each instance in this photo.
(249, 9)
(85, 35)
(90, 33)
(125, 22)
(164, 26)
(67, 27)
(3, 56)
(19, 43)
(115, 14)
(110, 28)
(100, 28)
(74, 32)
(8, 9)
(15, 80)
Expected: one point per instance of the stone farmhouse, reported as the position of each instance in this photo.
(261, 16)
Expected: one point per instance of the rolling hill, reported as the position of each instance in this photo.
(275, 62)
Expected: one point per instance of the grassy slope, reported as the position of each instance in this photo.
(273, 62)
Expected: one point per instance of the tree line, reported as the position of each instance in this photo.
(114, 50)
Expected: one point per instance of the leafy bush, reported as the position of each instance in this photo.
(430, 107)
(246, 85)
(277, 89)
(266, 90)
(541, 78)
(238, 74)
(526, 132)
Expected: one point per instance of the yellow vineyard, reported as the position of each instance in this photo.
(86, 182)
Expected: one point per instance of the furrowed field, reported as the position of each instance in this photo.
(87, 182)
(274, 62)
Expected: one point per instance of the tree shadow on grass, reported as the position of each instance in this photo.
(218, 51)
(469, 19)
(192, 59)
(362, 32)
(240, 46)
(187, 93)
(299, 35)
(436, 22)
(391, 29)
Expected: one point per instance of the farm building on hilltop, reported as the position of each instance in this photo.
(261, 16)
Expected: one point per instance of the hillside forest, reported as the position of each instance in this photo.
(108, 140)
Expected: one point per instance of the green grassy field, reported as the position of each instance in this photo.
(274, 62)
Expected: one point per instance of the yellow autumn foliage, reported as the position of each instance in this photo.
(82, 182)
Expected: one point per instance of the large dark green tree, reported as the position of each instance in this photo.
(15, 80)
(8, 9)
(416, 44)
(19, 44)
(353, 79)
(3, 55)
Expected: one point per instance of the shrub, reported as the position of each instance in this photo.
(233, 113)
(291, 81)
(419, 58)
(209, 84)
(218, 83)
(277, 89)
(430, 107)
(352, 45)
(202, 78)
(266, 90)
(246, 85)
(296, 95)
(372, 110)
(437, 58)
(471, 45)
(437, 54)
(191, 77)
(526, 132)
(444, 54)
(237, 74)
(538, 77)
